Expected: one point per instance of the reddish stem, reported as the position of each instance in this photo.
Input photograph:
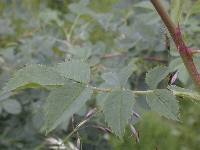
(184, 51)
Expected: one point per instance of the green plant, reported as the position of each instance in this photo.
(79, 78)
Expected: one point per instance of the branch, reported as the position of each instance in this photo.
(184, 51)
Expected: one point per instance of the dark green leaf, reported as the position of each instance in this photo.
(123, 75)
(64, 102)
(118, 110)
(34, 76)
(111, 78)
(117, 79)
(155, 75)
(74, 69)
(164, 103)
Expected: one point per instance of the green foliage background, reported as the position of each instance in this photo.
(49, 32)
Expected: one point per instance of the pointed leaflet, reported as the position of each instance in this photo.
(176, 8)
(155, 75)
(111, 78)
(123, 75)
(34, 76)
(118, 110)
(178, 91)
(164, 103)
(117, 79)
(74, 69)
(64, 102)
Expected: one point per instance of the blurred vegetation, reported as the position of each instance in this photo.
(54, 33)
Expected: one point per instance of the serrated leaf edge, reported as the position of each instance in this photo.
(63, 112)
(115, 78)
(126, 122)
(77, 61)
(167, 107)
(18, 71)
(128, 76)
(151, 70)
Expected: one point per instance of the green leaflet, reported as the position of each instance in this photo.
(164, 103)
(155, 75)
(111, 78)
(34, 76)
(63, 102)
(123, 75)
(74, 69)
(117, 79)
(184, 92)
(118, 110)
(176, 8)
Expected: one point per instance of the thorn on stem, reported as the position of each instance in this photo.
(136, 115)
(78, 143)
(90, 112)
(104, 129)
(135, 133)
(167, 40)
(174, 77)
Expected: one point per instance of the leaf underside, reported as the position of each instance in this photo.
(118, 110)
(164, 103)
(63, 102)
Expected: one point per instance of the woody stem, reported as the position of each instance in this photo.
(184, 51)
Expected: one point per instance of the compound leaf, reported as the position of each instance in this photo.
(34, 76)
(164, 103)
(64, 102)
(74, 69)
(118, 110)
(155, 75)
